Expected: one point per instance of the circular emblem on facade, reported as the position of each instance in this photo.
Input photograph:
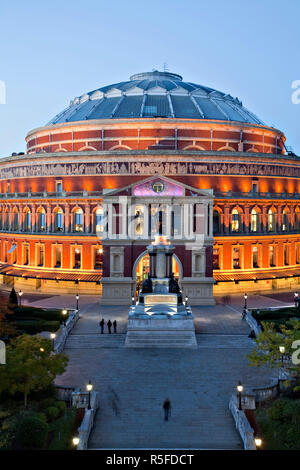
(158, 187)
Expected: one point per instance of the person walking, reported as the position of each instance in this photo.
(109, 323)
(167, 408)
(101, 324)
(115, 326)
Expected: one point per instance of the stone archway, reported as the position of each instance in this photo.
(140, 272)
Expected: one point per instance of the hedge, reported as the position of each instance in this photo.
(33, 327)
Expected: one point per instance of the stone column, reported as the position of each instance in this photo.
(247, 219)
(226, 219)
(33, 218)
(66, 218)
(48, 217)
(87, 218)
(264, 219)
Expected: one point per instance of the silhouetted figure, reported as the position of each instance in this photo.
(115, 326)
(167, 408)
(101, 324)
(173, 285)
(252, 334)
(109, 324)
(147, 286)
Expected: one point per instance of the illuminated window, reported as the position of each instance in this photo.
(255, 187)
(235, 221)
(254, 221)
(78, 220)
(59, 187)
(77, 258)
(99, 220)
(216, 259)
(41, 221)
(176, 221)
(98, 257)
(57, 256)
(271, 256)
(271, 221)
(236, 258)
(284, 221)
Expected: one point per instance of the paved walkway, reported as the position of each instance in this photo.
(133, 384)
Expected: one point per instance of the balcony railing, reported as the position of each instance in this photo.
(255, 195)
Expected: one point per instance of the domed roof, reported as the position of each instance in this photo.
(155, 94)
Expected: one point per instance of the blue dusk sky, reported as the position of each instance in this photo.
(52, 51)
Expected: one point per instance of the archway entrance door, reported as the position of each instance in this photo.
(142, 270)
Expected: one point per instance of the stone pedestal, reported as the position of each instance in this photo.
(117, 291)
(161, 332)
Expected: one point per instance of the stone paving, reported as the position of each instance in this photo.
(133, 384)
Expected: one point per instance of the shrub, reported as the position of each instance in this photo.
(46, 403)
(41, 416)
(33, 433)
(61, 405)
(52, 412)
(33, 327)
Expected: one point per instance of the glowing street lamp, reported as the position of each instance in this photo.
(186, 300)
(53, 336)
(240, 389)
(77, 301)
(296, 299)
(20, 296)
(133, 300)
(76, 441)
(282, 352)
(64, 313)
(89, 388)
(258, 442)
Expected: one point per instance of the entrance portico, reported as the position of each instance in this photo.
(135, 214)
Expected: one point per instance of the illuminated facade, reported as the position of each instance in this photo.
(52, 198)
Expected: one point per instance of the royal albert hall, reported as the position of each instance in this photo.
(79, 208)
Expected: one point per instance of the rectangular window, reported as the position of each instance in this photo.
(57, 257)
(41, 255)
(271, 256)
(286, 255)
(236, 258)
(216, 261)
(298, 254)
(255, 257)
(255, 187)
(77, 258)
(26, 255)
(98, 255)
(59, 187)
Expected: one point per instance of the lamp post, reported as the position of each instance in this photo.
(89, 388)
(20, 296)
(64, 313)
(133, 300)
(245, 298)
(296, 299)
(52, 336)
(77, 301)
(282, 352)
(186, 300)
(240, 389)
(76, 441)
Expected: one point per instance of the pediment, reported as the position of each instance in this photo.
(158, 186)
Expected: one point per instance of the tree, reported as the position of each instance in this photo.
(30, 366)
(13, 299)
(267, 352)
(6, 328)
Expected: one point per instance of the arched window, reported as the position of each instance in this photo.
(41, 220)
(254, 221)
(284, 221)
(216, 222)
(58, 221)
(27, 221)
(15, 220)
(78, 220)
(271, 221)
(235, 221)
(99, 220)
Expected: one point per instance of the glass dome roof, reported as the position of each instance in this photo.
(155, 95)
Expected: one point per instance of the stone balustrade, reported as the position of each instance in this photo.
(64, 330)
(80, 400)
(242, 424)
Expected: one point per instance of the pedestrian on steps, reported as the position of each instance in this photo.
(101, 324)
(109, 324)
(167, 408)
(115, 326)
